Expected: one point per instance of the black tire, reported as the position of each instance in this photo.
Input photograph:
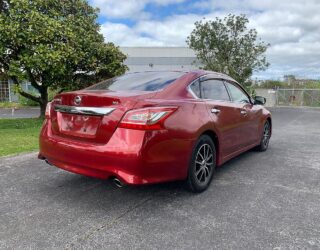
(265, 138)
(202, 165)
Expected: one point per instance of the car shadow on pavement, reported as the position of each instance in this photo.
(99, 203)
(68, 186)
(235, 162)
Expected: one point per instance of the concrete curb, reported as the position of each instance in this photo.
(20, 108)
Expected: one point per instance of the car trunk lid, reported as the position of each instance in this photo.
(91, 115)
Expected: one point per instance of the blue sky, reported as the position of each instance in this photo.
(155, 10)
(292, 27)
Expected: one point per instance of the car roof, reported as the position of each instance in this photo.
(213, 74)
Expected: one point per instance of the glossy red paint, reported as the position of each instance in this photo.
(98, 146)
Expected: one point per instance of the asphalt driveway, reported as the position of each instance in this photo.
(27, 112)
(258, 200)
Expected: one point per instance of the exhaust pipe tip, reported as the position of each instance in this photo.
(118, 183)
(48, 162)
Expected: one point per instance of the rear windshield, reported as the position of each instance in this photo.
(146, 81)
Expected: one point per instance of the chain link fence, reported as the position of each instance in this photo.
(298, 97)
(7, 93)
(4, 91)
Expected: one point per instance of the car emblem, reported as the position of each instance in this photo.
(77, 100)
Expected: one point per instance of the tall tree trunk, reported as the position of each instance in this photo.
(43, 101)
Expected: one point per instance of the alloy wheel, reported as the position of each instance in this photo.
(204, 163)
(266, 134)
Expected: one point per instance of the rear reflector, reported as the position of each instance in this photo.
(146, 118)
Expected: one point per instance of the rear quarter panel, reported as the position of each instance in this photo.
(167, 152)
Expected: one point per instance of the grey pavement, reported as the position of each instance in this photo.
(19, 113)
(267, 200)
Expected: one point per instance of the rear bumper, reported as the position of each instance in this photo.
(133, 156)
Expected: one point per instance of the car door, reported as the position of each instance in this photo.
(248, 127)
(226, 118)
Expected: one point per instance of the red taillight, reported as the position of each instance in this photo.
(146, 118)
(48, 110)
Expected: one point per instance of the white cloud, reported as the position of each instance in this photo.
(120, 9)
(291, 27)
(172, 31)
(129, 9)
(166, 2)
(123, 35)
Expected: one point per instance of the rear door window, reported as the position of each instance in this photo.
(215, 90)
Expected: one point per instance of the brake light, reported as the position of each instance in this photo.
(48, 110)
(146, 118)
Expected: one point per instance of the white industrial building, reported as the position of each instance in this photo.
(160, 58)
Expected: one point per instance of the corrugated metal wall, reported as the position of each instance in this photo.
(160, 58)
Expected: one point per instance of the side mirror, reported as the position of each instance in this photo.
(259, 100)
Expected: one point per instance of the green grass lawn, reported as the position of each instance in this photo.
(19, 135)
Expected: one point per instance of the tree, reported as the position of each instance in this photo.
(56, 44)
(228, 46)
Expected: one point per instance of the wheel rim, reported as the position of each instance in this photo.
(266, 135)
(204, 163)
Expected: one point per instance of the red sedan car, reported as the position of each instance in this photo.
(152, 127)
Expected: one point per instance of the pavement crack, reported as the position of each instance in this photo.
(92, 231)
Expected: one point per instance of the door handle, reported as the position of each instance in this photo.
(215, 111)
(243, 112)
